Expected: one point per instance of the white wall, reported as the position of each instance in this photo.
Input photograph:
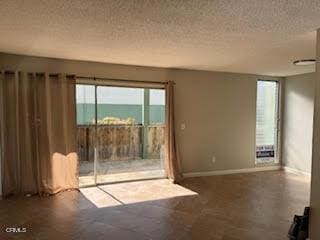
(217, 108)
(298, 103)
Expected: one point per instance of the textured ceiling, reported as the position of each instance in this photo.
(248, 36)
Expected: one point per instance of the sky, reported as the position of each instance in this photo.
(118, 95)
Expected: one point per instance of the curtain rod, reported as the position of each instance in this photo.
(104, 79)
(122, 80)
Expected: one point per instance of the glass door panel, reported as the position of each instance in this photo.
(156, 126)
(85, 100)
(130, 134)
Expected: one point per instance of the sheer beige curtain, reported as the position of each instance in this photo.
(173, 165)
(38, 133)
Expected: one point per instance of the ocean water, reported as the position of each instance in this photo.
(86, 112)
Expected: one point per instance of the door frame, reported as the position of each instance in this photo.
(100, 83)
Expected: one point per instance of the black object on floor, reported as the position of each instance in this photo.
(300, 226)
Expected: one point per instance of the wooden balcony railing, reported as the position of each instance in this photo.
(120, 142)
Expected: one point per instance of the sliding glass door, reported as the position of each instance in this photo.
(125, 127)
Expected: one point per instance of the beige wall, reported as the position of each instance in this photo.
(219, 112)
(315, 172)
(217, 108)
(298, 102)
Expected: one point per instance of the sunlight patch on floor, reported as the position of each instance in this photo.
(134, 192)
(118, 177)
(99, 198)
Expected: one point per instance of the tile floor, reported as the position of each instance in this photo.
(231, 207)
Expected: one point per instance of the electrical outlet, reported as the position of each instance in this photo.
(213, 159)
(183, 126)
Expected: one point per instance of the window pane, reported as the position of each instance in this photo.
(85, 99)
(157, 106)
(85, 104)
(120, 105)
(266, 120)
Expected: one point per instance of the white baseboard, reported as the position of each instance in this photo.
(295, 171)
(232, 171)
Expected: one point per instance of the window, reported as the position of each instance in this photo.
(267, 119)
(157, 106)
